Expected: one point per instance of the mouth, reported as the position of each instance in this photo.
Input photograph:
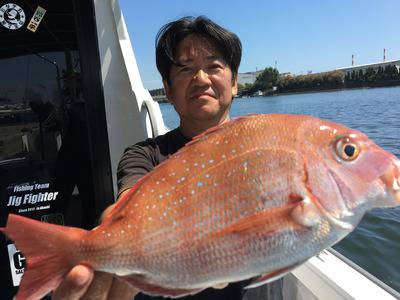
(391, 180)
(202, 95)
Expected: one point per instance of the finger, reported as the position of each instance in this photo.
(106, 211)
(121, 290)
(75, 284)
(220, 286)
(99, 288)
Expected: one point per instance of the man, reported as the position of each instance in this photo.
(198, 61)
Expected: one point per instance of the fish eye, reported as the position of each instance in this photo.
(349, 149)
(346, 149)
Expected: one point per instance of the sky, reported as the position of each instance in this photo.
(297, 36)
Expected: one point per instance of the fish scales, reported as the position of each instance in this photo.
(250, 197)
(208, 194)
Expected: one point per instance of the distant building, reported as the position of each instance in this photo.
(375, 66)
(248, 77)
(286, 74)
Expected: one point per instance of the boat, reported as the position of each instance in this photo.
(330, 275)
(70, 83)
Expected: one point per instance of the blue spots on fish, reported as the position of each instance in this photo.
(245, 165)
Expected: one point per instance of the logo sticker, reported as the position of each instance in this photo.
(17, 264)
(36, 19)
(12, 16)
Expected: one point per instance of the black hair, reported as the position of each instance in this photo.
(171, 34)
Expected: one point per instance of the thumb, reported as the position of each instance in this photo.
(75, 284)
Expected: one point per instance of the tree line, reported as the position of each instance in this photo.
(270, 82)
(390, 72)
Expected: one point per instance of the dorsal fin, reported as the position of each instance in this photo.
(120, 204)
(219, 127)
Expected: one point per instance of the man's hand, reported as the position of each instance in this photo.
(75, 285)
(82, 283)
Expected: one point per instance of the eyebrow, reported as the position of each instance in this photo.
(211, 57)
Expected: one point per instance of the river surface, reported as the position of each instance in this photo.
(375, 244)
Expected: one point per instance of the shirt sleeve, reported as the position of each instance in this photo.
(137, 161)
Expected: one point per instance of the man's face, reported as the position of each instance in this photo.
(201, 87)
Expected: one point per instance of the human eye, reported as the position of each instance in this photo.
(184, 69)
(215, 67)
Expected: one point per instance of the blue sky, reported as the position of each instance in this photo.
(300, 35)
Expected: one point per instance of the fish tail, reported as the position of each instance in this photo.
(47, 249)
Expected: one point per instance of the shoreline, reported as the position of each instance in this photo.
(320, 91)
(164, 100)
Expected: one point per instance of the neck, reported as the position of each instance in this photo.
(193, 128)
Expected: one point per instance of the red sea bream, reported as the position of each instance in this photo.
(252, 198)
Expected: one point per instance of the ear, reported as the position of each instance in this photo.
(235, 86)
(167, 89)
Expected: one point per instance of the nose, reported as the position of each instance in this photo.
(201, 77)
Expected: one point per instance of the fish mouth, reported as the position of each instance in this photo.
(391, 181)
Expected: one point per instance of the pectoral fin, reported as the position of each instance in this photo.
(309, 212)
(264, 221)
(306, 213)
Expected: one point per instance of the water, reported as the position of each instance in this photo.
(375, 244)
